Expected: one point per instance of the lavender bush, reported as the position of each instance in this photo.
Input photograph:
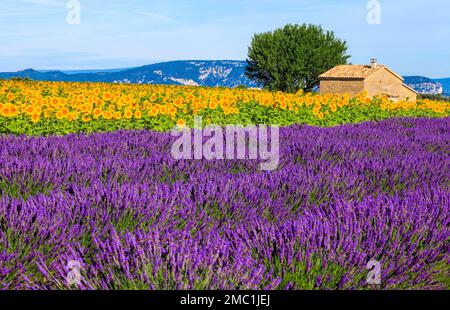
(134, 218)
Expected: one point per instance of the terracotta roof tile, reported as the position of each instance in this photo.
(350, 71)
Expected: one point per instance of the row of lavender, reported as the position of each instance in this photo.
(134, 218)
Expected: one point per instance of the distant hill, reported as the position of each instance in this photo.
(446, 84)
(88, 71)
(424, 85)
(227, 73)
(36, 75)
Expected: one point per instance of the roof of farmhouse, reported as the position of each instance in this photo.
(354, 72)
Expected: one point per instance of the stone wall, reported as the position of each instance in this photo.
(352, 87)
(407, 94)
(383, 82)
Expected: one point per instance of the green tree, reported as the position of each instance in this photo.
(293, 57)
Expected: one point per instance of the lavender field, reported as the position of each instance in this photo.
(137, 219)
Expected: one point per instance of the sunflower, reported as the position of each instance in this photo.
(107, 115)
(153, 112)
(97, 113)
(117, 115)
(5, 111)
(333, 107)
(138, 114)
(128, 114)
(181, 123)
(35, 118)
(29, 110)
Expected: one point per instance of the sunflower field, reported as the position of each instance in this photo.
(43, 108)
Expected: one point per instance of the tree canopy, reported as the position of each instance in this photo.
(293, 57)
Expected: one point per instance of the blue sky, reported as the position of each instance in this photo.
(413, 37)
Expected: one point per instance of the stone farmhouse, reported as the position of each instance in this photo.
(375, 79)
